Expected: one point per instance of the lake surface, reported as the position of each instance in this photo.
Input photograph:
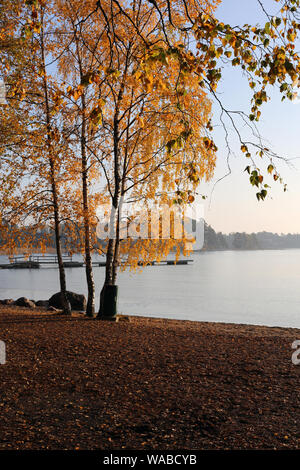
(250, 287)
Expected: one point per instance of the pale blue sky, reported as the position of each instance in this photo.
(233, 205)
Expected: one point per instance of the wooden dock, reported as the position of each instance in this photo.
(36, 261)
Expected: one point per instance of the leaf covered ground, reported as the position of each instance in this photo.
(74, 383)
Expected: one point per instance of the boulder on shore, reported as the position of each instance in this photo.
(77, 301)
(42, 303)
(7, 302)
(24, 302)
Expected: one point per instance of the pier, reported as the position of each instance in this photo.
(36, 261)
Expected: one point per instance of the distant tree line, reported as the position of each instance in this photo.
(214, 241)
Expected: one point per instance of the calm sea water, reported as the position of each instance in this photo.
(257, 287)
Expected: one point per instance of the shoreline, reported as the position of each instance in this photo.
(42, 310)
(147, 383)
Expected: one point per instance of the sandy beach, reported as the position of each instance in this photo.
(75, 383)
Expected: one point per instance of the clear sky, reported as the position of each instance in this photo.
(233, 206)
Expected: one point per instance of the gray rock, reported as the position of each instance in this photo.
(77, 301)
(42, 303)
(24, 302)
(7, 302)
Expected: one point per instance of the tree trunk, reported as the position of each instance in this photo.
(113, 244)
(62, 275)
(90, 311)
(116, 259)
(110, 268)
(110, 271)
(109, 277)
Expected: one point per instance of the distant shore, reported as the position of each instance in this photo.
(205, 250)
(74, 383)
